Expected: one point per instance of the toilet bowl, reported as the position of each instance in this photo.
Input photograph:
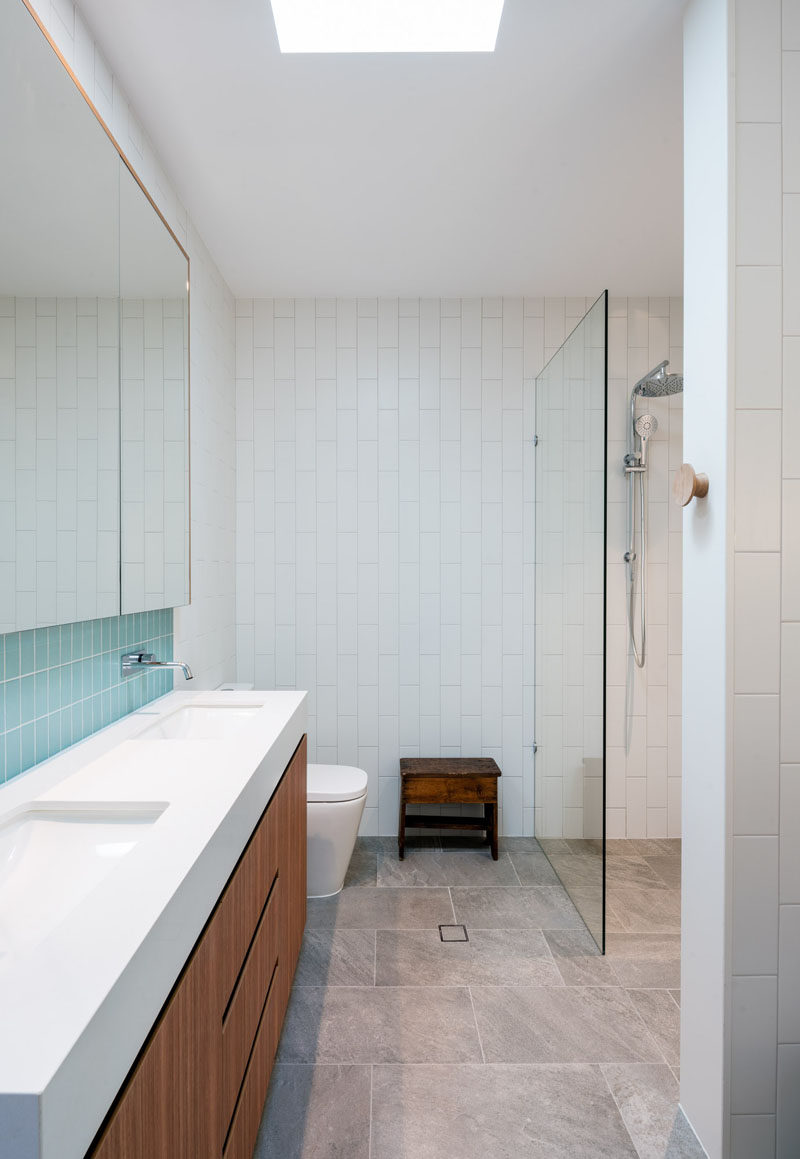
(336, 797)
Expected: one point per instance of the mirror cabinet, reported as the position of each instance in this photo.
(94, 367)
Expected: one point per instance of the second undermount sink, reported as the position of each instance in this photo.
(200, 722)
(52, 856)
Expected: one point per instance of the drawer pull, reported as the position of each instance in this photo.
(246, 958)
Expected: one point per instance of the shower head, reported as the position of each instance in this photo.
(658, 383)
(646, 425)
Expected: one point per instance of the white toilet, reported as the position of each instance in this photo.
(336, 797)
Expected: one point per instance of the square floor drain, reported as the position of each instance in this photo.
(453, 933)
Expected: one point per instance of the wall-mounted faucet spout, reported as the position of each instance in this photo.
(136, 661)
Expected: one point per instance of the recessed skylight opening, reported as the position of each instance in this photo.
(387, 25)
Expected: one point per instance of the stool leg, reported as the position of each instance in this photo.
(401, 828)
(494, 831)
(487, 819)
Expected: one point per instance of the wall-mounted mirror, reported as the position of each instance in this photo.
(154, 394)
(93, 293)
(59, 341)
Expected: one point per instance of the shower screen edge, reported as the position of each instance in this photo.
(570, 612)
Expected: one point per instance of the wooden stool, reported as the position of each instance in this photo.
(448, 781)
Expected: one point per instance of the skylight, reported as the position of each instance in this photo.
(387, 25)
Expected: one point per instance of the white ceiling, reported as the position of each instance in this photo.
(551, 166)
(74, 224)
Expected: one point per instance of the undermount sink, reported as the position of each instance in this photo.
(200, 722)
(53, 856)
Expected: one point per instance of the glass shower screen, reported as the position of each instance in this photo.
(570, 636)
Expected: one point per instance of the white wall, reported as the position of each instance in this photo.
(740, 1060)
(205, 631)
(154, 464)
(59, 492)
(385, 527)
(643, 784)
(386, 533)
(705, 574)
(765, 819)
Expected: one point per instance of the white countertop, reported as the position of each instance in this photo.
(76, 1008)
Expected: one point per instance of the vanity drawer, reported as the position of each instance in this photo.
(243, 1131)
(241, 1018)
(240, 907)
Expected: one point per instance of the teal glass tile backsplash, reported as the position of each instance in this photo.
(58, 685)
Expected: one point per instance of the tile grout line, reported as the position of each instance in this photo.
(369, 1141)
(616, 1104)
(475, 1019)
(452, 904)
(375, 962)
(513, 866)
(647, 1030)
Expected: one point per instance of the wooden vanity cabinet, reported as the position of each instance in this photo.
(197, 1089)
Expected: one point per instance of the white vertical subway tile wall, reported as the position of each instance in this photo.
(59, 450)
(385, 536)
(154, 479)
(765, 830)
(204, 633)
(643, 707)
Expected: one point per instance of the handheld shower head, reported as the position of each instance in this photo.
(645, 427)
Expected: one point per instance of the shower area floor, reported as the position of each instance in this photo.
(521, 1042)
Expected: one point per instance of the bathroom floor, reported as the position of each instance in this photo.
(522, 1041)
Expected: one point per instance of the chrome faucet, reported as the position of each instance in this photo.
(135, 661)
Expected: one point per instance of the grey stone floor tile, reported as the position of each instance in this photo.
(585, 846)
(336, 958)
(490, 957)
(363, 868)
(683, 1143)
(577, 870)
(676, 995)
(645, 847)
(375, 908)
(529, 907)
(588, 900)
(668, 869)
(519, 845)
(645, 911)
(647, 1097)
(662, 1017)
(495, 1112)
(533, 869)
(451, 867)
(389, 844)
(634, 871)
(554, 845)
(360, 1024)
(578, 959)
(316, 1111)
(645, 961)
(569, 1024)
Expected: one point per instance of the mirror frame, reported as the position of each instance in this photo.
(126, 161)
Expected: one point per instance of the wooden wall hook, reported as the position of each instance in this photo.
(688, 485)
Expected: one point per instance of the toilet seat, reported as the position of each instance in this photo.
(330, 783)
